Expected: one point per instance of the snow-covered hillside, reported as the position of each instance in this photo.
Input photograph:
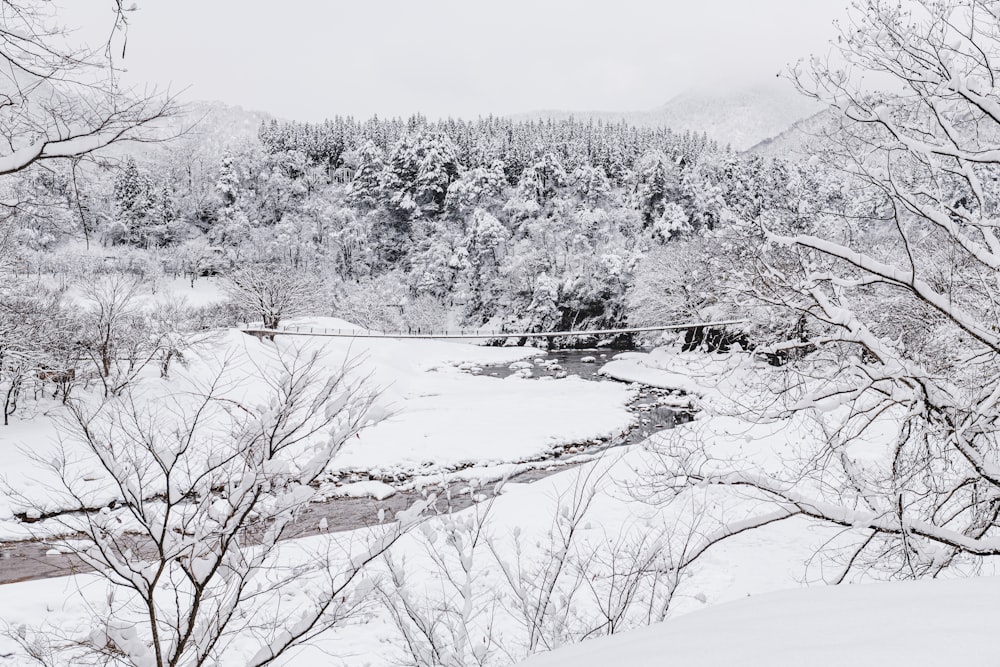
(207, 127)
(741, 117)
(798, 140)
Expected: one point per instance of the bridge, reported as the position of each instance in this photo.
(474, 334)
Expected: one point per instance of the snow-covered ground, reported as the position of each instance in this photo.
(916, 624)
(438, 418)
(449, 417)
(737, 619)
(524, 510)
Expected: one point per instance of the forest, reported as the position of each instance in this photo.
(533, 226)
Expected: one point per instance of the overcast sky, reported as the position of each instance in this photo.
(310, 59)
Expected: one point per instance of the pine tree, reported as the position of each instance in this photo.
(400, 176)
(228, 184)
(438, 168)
(134, 199)
(365, 190)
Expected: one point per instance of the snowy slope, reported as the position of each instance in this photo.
(798, 140)
(740, 118)
(924, 623)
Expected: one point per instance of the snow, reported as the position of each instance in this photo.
(438, 418)
(746, 622)
(370, 489)
(528, 509)
(741, 603)
(667, 369)
(204, 292)
(489, 420)
(872, 625)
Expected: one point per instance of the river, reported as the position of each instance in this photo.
(657, 410)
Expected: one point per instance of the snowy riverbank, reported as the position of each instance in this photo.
(435, 417)
(435, 403)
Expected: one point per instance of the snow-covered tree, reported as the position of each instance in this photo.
(365, 189)
(437, 258)
(134, 199)
(273, 292)
(897, 367)
(399, 181)
(591, 185)
(114, 331)
(481, 187)
(374, 303)
(64, 101)
(484, 247)
(542, 179)
(438, 169)
(37, 337)
(657, 184)
(672, 223)
(228, 184)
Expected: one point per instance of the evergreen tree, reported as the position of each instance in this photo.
(438, 168)
(133, 201)
(477, 188)
(228, 185)
(399, 181)
(365, 189)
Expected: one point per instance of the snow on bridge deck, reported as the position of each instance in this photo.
(477, 334)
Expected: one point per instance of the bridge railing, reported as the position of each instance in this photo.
(475, 334)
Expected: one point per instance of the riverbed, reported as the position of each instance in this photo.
(656, 409)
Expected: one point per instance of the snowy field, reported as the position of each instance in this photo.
(449, 417)
(436, 418)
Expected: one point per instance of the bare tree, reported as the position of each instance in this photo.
(273, 291)
(900, 377)
(36, 344)
(206, 488)
(115, 332)
(451, 629)
(483, 596)
(173, 323)
(378, 303)
(61, 100)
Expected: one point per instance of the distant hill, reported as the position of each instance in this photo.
(204, 127)
(756, 118)
(215, 122)
(797, 140)
(741, 118)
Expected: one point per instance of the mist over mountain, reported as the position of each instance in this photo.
(741, 118)
(796, 140)
(759, 118)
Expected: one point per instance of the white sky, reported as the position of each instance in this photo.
(311, 59)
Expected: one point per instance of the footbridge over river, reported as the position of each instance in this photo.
(479, 334)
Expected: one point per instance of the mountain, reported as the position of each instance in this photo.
(202, 127)
(745, 119)
(222, 123)
(741, 118)
(797, 140)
